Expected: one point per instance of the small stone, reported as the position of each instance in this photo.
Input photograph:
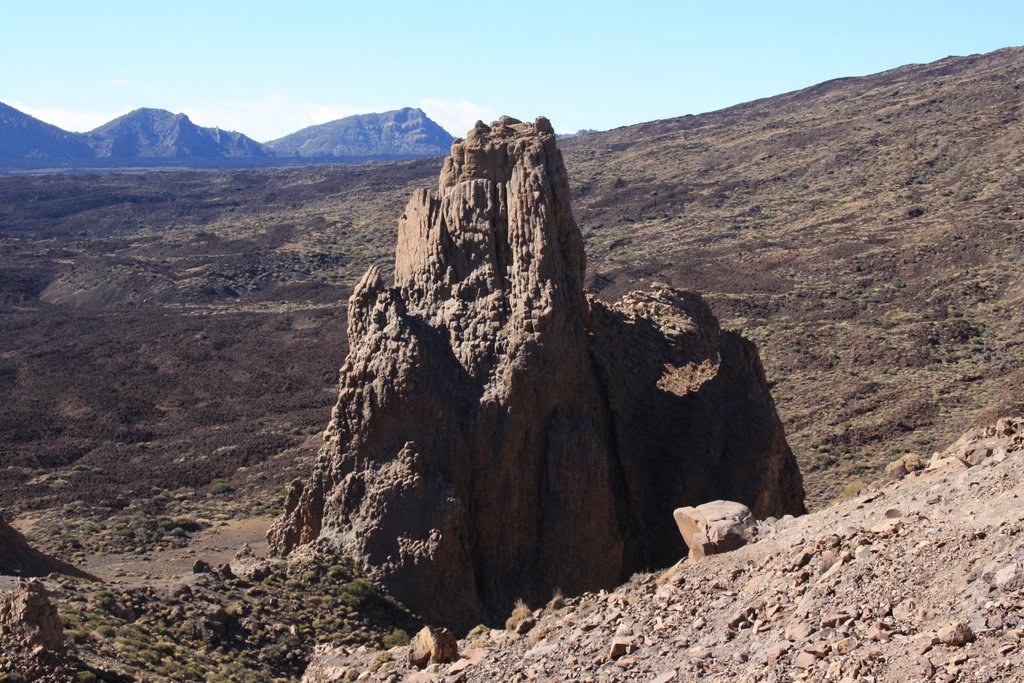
(819, 650)
(831, 620)
(1004, 427)
(621, 645)
(926, 667)
(798, 631)
(201, 567)
(949, 465)
(1009, 578)
(877, 633)
(955, 633)
(977, 455)
(804, 660)
(905, 610)
(664, 677)
(699, 623)
(524, 626)
(844, 646)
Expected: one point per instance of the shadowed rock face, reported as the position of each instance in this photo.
(18, 558)
(498, 433)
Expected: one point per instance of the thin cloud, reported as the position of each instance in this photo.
(457, 116)
(75, 120)
(120, 82)
(271, 117)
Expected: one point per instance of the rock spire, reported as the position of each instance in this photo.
(498, 432)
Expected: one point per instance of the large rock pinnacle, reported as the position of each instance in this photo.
(498, 433)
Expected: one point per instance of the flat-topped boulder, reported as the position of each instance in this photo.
(715, 527)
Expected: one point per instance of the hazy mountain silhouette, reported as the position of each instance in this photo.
(404, 132)
(26, 137)
(156, 137)
(146, 133)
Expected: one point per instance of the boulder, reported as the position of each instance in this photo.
(433, 646)
(715, 527)
(498, 432)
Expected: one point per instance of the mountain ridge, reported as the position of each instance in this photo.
(157, 137)
(400, 132)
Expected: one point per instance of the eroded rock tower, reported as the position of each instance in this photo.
(498, 433)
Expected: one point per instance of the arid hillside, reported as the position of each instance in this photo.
(867, 233)
(183, 330)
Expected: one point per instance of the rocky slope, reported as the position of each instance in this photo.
(864, 232)
(882, 333)
(497, 433)
(404, 132)
(918, 579)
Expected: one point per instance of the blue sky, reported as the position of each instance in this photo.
(269, 68)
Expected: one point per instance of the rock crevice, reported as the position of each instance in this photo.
(499, 433)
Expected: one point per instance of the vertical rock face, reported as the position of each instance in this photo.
(498, 433)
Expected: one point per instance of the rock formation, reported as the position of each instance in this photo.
(28, 619)
(18, 558)
(498, 433)
(32, 637)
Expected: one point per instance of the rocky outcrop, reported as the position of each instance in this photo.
(28, 619)
(498, 433)
(18, 558)
(32, 637)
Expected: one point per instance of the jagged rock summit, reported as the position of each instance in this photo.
(498, 432)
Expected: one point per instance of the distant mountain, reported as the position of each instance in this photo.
(159, 138)
(581, 131)
(401, 133)
(26, 137)
(148, 133)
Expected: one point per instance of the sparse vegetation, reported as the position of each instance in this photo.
(520, 612)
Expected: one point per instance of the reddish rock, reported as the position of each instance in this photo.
(29, 620)
(715, 527)
(498, 433)
(433, 646)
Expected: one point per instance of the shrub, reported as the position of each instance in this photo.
(557, 600)
(219, 486)
(520, 612)
(396, 638)
(852, 489)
